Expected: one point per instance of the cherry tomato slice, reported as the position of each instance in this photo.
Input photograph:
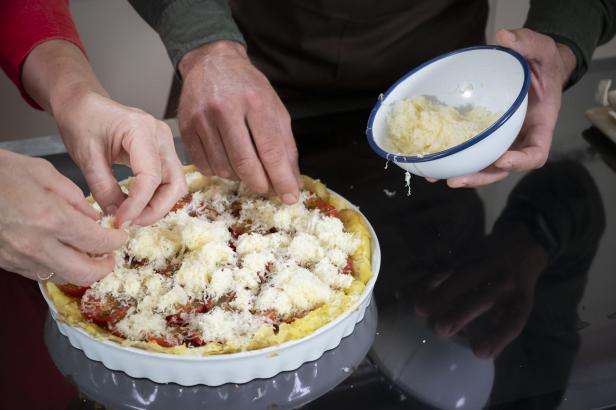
(192, 338)
(73, 290)
(182, 202)
(161, 341)
(105, 312)
(322, 206)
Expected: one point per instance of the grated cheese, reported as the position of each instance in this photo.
(288, 262)
(422, 125)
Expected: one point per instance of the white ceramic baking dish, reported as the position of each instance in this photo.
(227, 368)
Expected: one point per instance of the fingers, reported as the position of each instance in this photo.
(173, 182)
(484, 177)
(196, 152)
(469, 308)
(145, 162)
(172, 188)
(74, 266)
(71, 193)
(531, 157)
(102, 182)
(291, 147)
(266, 133)
(242, 154)
(507, 329)
(212, 143)
(530, 44)
(81, 232)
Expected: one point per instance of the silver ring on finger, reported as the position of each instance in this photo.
(45, 278)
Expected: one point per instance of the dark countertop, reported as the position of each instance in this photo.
(527, 265)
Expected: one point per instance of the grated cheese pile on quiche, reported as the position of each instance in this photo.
(227, 270)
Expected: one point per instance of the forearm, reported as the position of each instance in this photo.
(56, 71)
(580, 25)
(186, 25)
(25, 24)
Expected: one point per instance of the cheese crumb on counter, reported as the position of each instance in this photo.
(422, 125)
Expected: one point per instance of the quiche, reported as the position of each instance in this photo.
(227, 270)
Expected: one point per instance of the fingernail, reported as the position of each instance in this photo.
(431, 179)
(510, 35)
(289, 199)
(126, 224)
(506, 165)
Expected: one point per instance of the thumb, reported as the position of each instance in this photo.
(526, 42)
(103, 184)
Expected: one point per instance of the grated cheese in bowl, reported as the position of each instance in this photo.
(422, 125)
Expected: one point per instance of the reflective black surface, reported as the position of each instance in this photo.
(499, 297)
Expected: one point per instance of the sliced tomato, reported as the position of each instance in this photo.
(204, 211)
(105, 312)
(322, 206)
(134, 263)
(169, 270)
(161, 341)
(235, 209)
(348, 268)
(238, 229)
(271, 315)
(182, 202)
(177, 319)
(264, 276)
(226, 298)
(296, 316)
(193, 338)
(73, 290)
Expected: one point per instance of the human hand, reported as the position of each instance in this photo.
(99, 132)
(499, 283)
(551, 65)
(233, 123)
(46, 225)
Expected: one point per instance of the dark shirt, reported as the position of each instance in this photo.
(349, 49)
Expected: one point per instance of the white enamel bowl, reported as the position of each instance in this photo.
(494, 77)
(228, 368)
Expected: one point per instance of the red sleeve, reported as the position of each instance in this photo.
(24, 24)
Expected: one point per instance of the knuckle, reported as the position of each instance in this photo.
(216, 105)
(244, 165)
(270, 152)
(42, 165)
(53, 221)
(25, 246)
(152, 177)
(222, 170)
(254, 100)
(87, 275)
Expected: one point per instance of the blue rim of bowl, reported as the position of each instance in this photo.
(457, 148)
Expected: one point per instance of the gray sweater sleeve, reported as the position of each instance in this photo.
(187, 24)
(581, 25)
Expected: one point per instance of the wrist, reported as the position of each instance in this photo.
(568, 60)
(217, 49)
(70, 100)
(56, 71)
